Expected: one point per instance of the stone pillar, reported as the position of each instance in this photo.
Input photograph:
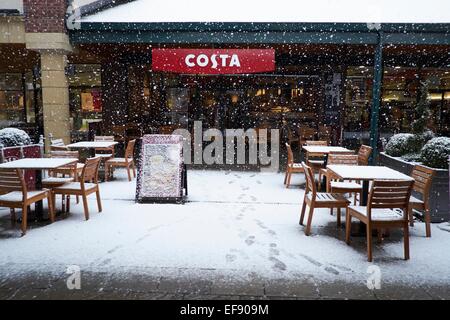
(55, 95)
(46, 33)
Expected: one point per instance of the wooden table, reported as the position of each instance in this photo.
(366, 174)
(325, 151)
(92, 145)
(38, 164)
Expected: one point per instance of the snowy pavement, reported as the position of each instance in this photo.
(238, 236)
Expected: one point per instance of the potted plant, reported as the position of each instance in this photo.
(404, 150)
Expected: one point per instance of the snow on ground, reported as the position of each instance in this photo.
(235, 223)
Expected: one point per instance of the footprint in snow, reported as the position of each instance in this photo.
(278, 264)
(230, 257)
(250, 240)
(331, 270)
(274, 252)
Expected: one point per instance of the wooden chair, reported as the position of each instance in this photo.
(104, 153)
(119, 133)
(423, 177)
(291, 167)
(58, 145)
(316, 160)
(384, 199)
(305, 134)
(343, 186)
(61, 176)
(325, 133)
(364, 153)
(87, 185)
(291, 138)
(335, 158)
(168, 129)
(314, 199)
(127, 162)
(15, 195)
(316, 143)
(68, 170)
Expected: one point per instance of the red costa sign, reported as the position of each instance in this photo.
(213, 61)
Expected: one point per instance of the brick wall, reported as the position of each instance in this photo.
(45, 15)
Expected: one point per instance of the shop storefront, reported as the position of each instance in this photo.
(351, 83)
(316, 86)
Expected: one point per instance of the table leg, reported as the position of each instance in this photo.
(39, 205)
(185, 179)
(323, 183)
(363, 202)
(365, 193)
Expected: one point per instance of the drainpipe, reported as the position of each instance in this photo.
(376, 97)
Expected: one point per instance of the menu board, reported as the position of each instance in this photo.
(160, 169)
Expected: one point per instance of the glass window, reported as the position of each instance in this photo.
(85, 96)
(16, 99)
(357, 104)
(401, 89)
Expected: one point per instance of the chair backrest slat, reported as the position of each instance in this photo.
(306, 133)
(364, 153)
(316, 143)
(64, 154)
(130, 149)
(58, 144)
(310, 181)
(423, 177)
(391, 194)
(90, 170)
(290, 154)
(12, 180)
(343, 159)
(104, 138)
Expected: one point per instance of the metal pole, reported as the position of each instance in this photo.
(376, 97)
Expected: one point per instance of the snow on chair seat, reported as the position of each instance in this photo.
(345, 185)
(323, 197)
(76, 186)
(88, 184)
(314, 199)
(386, 199)
(56, 180)
(379, 214)
(17, 196)
(126, 162)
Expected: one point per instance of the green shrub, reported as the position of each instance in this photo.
(12, 137)
(412, 157)
(402, 144)
(435, 152)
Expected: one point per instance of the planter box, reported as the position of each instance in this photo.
(439, 193)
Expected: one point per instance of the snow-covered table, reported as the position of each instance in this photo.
(38, 164)
(92, 144)
(325, 149)
(366, 174)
